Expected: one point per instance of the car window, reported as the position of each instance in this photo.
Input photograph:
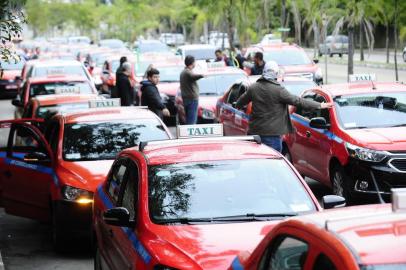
(115, 180)
(323, 262)
(234, 93)
(55, 87)
(25, 141)
(130, 193)
(310, 113)
(4, 133)
(285, 253)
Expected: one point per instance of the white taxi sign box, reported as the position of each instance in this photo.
(398, 199)
(362, 77)
(67, 90)
(104, 103)
(199, 131)
(219, 64)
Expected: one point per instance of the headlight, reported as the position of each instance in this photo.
(76, 194)
(206, 114)
(318, 74)
(164, 97)
(365, 154)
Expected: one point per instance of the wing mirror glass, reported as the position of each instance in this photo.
(118, 216)
(319, 122)
(333, 201)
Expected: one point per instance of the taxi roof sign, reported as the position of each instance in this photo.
(104, 103)
(398, 199)
(67, 90)
(218, 64)
(369, 77)
(196, 131)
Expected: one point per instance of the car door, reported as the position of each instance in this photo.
(226, 112)
(241, 117)
(27, 171)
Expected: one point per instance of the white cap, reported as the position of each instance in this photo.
(271, 70)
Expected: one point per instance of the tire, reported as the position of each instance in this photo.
(340, 55)
(60, 238)
(340, 182)
(97, 260)
(320, 53)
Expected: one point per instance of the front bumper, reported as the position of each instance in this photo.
(73, 217)
(388, 174)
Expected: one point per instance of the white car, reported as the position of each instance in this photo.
(199, 51)
(270, 39)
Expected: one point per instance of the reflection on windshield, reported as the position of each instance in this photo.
(201, 54)
(94, 141)
(66, 87)
(387, 109)
(213, 189)
(218, 84)
(297, 88)
(48, 111)
(287, 57)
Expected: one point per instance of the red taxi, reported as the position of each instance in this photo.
(291, 58)
(183, 204)
(44, 107)
(236, 121)
(359, 146)
(51, 176)
(217, 80)
(10, 77)
(353, 238)
(51, 85)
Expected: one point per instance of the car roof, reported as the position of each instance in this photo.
(47, 100)
(57, 78)
(196, 46)
(205, 149)
(362, 88)
(366, 230)
(55, 62)
(219, 70)
(109, 114)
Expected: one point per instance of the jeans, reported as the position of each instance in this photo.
(273, 141)
(190, 106)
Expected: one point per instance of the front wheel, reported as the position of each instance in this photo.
(341, 183)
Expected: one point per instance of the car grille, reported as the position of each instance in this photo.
(303, 75)
(399, 164)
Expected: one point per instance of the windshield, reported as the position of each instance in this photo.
(287, 57)
(218, 84)
(201, 54)
(170, 73)
(48, 111)
(12, 65)
(59, 70)
(210, 189)
(387, 109)
(104, 140)
(297, 88)
(384, 267)
(141, 67)
(60, 87)
(152, 47)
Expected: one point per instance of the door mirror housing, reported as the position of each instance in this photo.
(333, 201)
(36, 157)
(118, 216)
(16, 102)
(319, 122)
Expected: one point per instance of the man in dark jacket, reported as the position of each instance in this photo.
(150, 95)
(270, 113)
(124, 89)
(190, 90)
(119, 70)
(259, 64)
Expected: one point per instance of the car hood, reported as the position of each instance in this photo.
(311, 68)
(208, 102)
(83, 174)
(380, 138)
(211, 246)
(10, 74)
(169, 88)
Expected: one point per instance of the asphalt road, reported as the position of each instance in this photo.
(26, 244)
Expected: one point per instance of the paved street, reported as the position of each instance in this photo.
(26, 244)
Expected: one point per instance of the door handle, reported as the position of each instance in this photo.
(308, 134)
(7, 174)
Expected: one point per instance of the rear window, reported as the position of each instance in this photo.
(59, 70)
(287, 57)
(104, 140)
(55, 87)
(48, 111)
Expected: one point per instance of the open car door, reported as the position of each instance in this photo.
(26, 169)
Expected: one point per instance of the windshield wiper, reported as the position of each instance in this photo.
(168, 81)
(400, 125)
(254, 217)
(209, 94)
(358, 127)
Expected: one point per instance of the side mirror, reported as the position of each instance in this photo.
(316, 61)
(319, 122)
(118, 216)
(17, 103)
(36, 157)
(333, 201)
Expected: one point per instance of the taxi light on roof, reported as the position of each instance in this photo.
(362, 77)
(104, 103)
(67, 90)
(219, 64)
(194, 131)
(398, 199)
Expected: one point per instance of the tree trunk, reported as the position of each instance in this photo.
(230, 28)
(395, 33)
(350, 69)
(361, 42)
(283, 18)
(387, 41)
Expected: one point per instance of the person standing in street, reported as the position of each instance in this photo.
(190, 90)
(124, 89)
(150, 95)
(270, 111)
(259, 64)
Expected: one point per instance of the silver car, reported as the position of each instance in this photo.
(334, 45)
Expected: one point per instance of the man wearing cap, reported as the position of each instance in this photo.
(190, 90)
(270, 113)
